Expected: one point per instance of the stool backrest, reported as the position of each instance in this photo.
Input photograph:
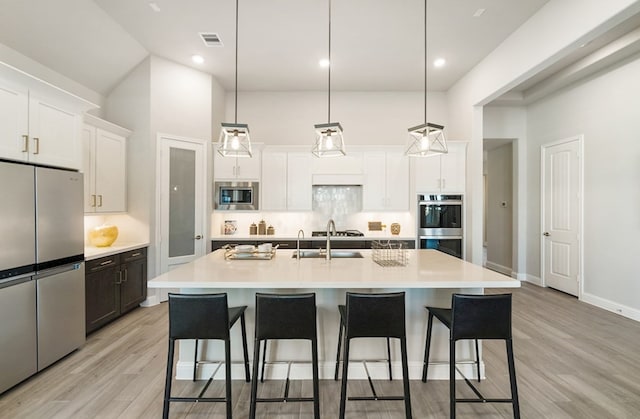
(286, 316)
(481, 316)
(375, 315)
(198, 316)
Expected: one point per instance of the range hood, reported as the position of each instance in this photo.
(337, 180)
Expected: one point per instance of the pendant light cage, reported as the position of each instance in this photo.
(427, 139)
(235, 140)
(329, 138)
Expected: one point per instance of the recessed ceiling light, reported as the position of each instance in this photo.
(198, 59)
(439, 62)
(479, 12)
(324, 62)
(154, 6)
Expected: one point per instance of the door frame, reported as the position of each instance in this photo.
(161, 263)
(543, 149)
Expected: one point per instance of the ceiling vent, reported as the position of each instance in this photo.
(210, 39)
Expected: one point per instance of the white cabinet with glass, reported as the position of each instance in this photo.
(442, 173)
(386, 181)
(104, 148)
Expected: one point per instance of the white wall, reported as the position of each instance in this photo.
(367, 118)
(499, 217)
(605, 110)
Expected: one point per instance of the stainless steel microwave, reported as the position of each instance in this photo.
(236, 196)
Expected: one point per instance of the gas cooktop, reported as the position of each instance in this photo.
(345, 233)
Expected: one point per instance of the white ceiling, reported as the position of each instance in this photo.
(377, 45)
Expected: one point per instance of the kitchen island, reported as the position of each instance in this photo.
(428, 278)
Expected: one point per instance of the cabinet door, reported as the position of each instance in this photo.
(248, 168)
(453, 165)
(351, 164)
(110, 172)
(133, 289)
(374, 197)
(102, 292)
(427, 174)
(54, 135)
(88, 164)
(397, 182)
(273, 185)
(224, 167)
(14, 130)
(299, 181)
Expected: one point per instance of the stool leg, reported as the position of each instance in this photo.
(389, 358)
(243, 325)
(167, 385)
(195, 360)
(227, 384)
(405, 377)
(512, 380)
(338, 351)
(477, 360)
(345, 370)
(316, 384)
(254, 382)
(264, 360)
(452, 378)
(427, 348)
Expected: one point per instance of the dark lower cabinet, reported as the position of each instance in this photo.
(114, 285)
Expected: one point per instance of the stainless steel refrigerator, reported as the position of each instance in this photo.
(41, 268)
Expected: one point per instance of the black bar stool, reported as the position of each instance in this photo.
(375, 316)
(475, 317)
(286, 316)
(203, 316)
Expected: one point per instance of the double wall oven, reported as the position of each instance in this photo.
(440, 223)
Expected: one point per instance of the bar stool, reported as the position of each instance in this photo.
(375, 316)
(475, 317)
(286, 316)
(203, 316)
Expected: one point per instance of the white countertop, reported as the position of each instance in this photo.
(426, 269)
(92, 252)
(262, 237)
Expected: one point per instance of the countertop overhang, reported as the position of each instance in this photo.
(426, 269)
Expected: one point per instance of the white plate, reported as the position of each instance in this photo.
(245, 248)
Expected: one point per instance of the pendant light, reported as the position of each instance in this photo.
(234, 138)
(329, 138)
(426, 139)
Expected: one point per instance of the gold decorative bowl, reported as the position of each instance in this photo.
(103, 236)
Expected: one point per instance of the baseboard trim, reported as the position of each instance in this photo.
(533, 280)
(498, 268)
(625, 311)
(326, 370)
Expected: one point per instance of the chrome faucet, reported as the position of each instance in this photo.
(330, 223)
(298, 243)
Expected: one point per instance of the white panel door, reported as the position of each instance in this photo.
(110, 171)
(397, 182)
(54, 135)
(452, 168)
(299, 181)
(561, 209)
(374, 196)
(14, 130)
(273, 186)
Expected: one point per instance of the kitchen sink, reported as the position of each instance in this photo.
(337, 254)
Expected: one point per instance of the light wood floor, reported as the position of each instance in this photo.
(572, 360)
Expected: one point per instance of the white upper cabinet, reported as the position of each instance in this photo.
(351, 164)
(299, 189)
(386, 184)
(39, 123)
(105, 166)
(273, 186)
(444, 173)
(237, 168)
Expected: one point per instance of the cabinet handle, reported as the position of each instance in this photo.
(25, 144)
(119, 278)
(126, 276)
(198, 237)
(106, 262)
(135, 254)
(36, 140)
(100, 199)
(93, 201)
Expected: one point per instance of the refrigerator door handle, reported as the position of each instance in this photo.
(57, 270)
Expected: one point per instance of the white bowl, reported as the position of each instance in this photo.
(245, 248)
(265, 247)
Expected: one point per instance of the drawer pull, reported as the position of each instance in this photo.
(135, 254)
(106, 262)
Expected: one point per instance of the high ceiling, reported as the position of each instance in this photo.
(377, 45)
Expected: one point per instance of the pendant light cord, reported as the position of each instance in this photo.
(425, 61)
(329, 84)
(236, 74)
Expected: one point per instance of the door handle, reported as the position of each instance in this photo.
(25, 144)
(198, 237)
(36, 140)
(546, 234)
